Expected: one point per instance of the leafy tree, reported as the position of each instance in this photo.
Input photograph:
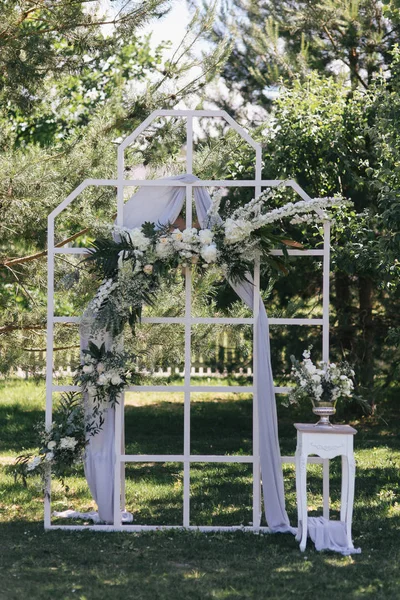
(38, 171)
(333, 129)
(279, 41)
(67, 103)
(38, 38)
(335, 144)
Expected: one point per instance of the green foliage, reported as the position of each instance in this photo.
(55, 448)
(40, 167)
(278, 41)
(54, 37)
(67, 103)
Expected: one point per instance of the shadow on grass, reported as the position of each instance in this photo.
(17, 427)
(216, 428)
(178, 565)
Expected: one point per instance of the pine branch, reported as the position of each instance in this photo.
(54, 349)
(8, 328)
(347, 63)
(24, 259)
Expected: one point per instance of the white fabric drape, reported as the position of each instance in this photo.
(329, 535)
(163, 205)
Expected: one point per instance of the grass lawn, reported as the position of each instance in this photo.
(179, 565)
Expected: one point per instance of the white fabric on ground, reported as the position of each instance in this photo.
(329, 535)
(126, 517)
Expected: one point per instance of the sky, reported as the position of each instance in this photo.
(171, 27)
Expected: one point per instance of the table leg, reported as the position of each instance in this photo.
(345, 489)
(298, 498)
(303, 496)
(325, 487)
(351, 465)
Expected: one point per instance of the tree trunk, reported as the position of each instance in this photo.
(342, 302)
(366, 355)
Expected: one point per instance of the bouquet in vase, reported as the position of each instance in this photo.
(323, 385)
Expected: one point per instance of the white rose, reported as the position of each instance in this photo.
(100, 368)
(236, 231)
(179, 245)
(177, 235)
(189, 235)
(139, 240)
(102, 380)
(148, 269)
(116, 380)
(68, 443)
(209, 253)
(88, 369)
(163, 249)
(206, 236)
(51, 445)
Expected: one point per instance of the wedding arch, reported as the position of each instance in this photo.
(263, 459)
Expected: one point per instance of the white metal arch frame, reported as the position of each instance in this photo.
(187, 320)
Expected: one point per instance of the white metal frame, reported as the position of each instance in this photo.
(187, 320)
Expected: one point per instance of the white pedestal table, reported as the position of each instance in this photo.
(325, 442)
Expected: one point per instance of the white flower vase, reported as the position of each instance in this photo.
(324, 409)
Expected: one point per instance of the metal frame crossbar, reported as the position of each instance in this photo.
(187, 321)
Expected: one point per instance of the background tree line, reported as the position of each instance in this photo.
(317, 84)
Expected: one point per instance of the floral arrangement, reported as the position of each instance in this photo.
(61, 447)
(326, 383)
(131, 262)
(103, 374)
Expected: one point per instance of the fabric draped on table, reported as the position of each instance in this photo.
(162, 205)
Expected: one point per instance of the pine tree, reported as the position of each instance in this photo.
(36, 177)
(40, 38)
(278, 41)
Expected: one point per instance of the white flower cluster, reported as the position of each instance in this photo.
(237, 230)
(141, 244)
(251, 217)
(95, 374)
(67, 443)
(328, 381)
(213, 211)
(342, 384)
(319, 214)
(189, 244)
(110, 377)
(103, 292)
(139, 240)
